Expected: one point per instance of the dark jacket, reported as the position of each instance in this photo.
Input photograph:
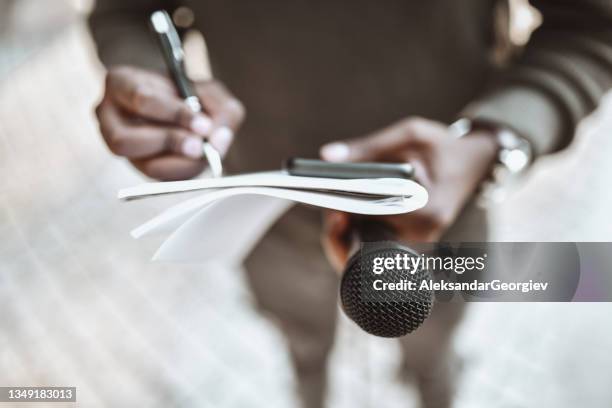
(315, 71)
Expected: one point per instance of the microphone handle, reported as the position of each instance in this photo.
(381, 313)
(366, 229)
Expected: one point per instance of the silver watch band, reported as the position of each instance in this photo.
(515, 152)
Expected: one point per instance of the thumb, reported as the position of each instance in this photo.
(379, 146)
(371, 148)
(334, 239)
(336, 152)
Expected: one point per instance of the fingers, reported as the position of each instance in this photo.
(136, 141)
(142, 143)
(388, 144)
(226, 111)
(223, 107)
(151, 96)
(143, 118)
(170, 167)
(336, 226)
(425, 225)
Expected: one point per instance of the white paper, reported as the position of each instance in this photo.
(232, 213)
(352, 204)
(223, 231)
(388, 186)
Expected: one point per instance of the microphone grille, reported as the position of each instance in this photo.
(384, 313)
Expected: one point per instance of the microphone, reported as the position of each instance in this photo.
(383, 313)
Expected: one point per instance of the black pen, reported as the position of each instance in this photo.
(172, 50)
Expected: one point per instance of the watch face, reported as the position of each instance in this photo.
(515, 160)
(515, 152)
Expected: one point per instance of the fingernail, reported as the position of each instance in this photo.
(201, 125)
(192, 147)
(222, 138)
(335, 152)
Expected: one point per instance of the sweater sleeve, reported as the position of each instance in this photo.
(121, 32)
(559, 78)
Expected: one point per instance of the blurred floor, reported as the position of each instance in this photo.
(26, 26)
(82, 305)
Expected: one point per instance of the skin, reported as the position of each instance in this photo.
(451, 170)
(143, 118)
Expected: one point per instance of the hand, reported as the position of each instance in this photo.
(143, 118)
(449, 168)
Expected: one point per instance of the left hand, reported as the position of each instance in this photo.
(451, 170)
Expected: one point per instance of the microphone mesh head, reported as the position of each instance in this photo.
(384, 313)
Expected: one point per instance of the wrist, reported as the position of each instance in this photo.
(480, 149)
(485, 143)
(513, 157)
(515, 153)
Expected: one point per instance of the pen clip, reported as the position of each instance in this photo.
(162, 24)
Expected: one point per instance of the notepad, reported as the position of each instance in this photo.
(232, 213)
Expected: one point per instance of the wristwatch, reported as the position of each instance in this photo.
(513, 158)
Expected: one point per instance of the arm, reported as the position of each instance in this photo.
(121, 32)
(141, 115)
(559, 79)
(562, 73)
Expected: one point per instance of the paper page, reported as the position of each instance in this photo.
(232, 213)
(383, 187)
(224, 231)
(353, 204)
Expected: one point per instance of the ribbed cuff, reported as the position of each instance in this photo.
(530, 113)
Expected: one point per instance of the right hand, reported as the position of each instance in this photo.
(143, 118)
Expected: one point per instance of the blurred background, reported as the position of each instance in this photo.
(81, 305)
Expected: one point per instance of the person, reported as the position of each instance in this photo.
(353, 81)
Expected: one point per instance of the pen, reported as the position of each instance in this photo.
(172, 50)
